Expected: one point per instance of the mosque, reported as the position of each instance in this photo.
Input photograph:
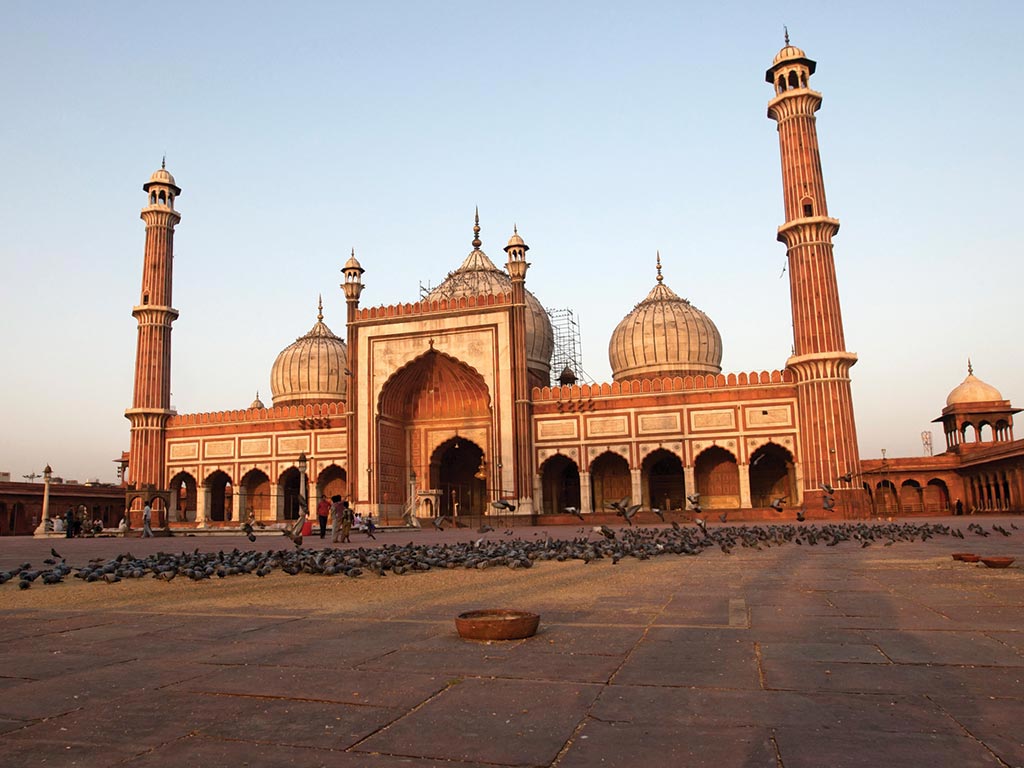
(447, 404)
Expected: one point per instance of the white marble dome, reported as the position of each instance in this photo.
(973, 390)
(312, 369)
(664, 335)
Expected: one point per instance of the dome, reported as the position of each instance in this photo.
(973, 390)
(312, 370)
(257, 404)
(664, 335)
(352, 263)
(162, 176)
(477, 276)
(788, 52)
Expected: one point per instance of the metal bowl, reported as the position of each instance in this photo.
(961, 555)
(496, 624)
(997, 562)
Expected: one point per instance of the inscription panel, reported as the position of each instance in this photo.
(558, 430)
(331, 443)
(254, 446)
(657, 422)
(769, 416)
(704, 421)
(295, 445)
(219, 449)
(184, 451)
(607, 426)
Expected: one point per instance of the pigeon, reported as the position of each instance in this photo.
(777, 503)
(827, 488)
(439, 522)
(828, 503)
(55, 553)
(574, 511)
(659, 513)
(847, 478)
(800, 514)
(605, 531)
(693, 498)
(484, 529)
(619, 506)
(723, 517)
(504, 504)
(630, 512)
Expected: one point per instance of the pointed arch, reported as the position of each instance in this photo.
(717, 477)
(219, 496)
(610, 480)
(255, 496)
(184, 497)
(662, 480)
(455, 470)
(560, 484)
(772, 475)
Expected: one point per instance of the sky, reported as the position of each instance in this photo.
(606, 131)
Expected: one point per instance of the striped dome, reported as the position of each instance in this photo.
(312, 369)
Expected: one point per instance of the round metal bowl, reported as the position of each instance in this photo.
(961, 555)
(969, 558)
(997, 562)
(496, 624)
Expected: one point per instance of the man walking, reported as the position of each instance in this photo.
(323, 508)
(147, 516)
(336, 509)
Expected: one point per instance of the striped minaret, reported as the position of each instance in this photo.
(820, 363)
(151, 402)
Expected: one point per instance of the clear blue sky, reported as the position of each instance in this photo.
(606, 131)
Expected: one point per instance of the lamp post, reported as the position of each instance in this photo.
(41, 528)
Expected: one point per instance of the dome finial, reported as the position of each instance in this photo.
(515, 228)
(319, 307)
(785, 31)
(163, 161)
(970, 368)
(660, 278)
(476, 228)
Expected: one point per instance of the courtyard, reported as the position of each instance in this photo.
(788, 656)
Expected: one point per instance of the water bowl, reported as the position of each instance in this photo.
(997, 562)
(496, 624)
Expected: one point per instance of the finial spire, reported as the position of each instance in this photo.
(785, 30)
(515, 228)
(476, 228)
(970, 368)
(660, 278)
(163, 161)
(319, 308)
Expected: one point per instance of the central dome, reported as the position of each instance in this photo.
(312, 369)
(664, 335)
(477, 276)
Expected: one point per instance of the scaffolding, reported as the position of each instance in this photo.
(567, 348)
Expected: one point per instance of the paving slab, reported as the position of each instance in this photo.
(499, 722)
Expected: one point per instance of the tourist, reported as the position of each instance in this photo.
(336, 510)
(370, 526)
(346, 521)
(322, 510)
(69, 523)
(959, 507)
(147, 516)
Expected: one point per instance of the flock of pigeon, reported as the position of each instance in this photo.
(508, 551)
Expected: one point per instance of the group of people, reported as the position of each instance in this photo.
(341, 516)
(76, 522)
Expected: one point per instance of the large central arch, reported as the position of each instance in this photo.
(423, 403)
(455, 471)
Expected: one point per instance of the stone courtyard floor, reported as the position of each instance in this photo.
(793, 656)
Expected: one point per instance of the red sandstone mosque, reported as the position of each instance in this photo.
(446, 404)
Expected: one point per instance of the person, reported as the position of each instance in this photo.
(69, 523)
(147, 517)
(335, 518)
(346, 521)
(357, 521)
(122, 526)
(295, 534)
(58, 524)
(369, 525)
(959, 507)
(323, 508)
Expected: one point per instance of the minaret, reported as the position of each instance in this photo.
(353, 288)
(151, 402)
(820, 362)
(522, 464)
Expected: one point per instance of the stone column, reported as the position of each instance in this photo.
(586, 501)
(202, 504)
(689, 480)
(41, 528)
(636, 487)
(744, 470)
